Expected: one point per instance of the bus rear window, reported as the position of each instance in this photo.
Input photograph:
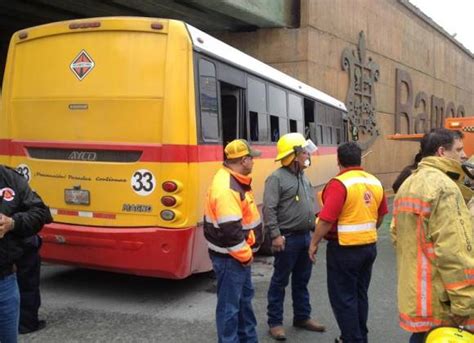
(208, 101)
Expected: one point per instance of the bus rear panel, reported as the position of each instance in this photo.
(94, 124)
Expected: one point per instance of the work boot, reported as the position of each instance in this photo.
(23, 329)
(310, 325)
(278, 333)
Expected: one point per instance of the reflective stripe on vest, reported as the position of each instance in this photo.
(226, 250)
(230, 203)
(357, 222)
(356, 227)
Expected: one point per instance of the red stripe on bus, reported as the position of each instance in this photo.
(68, 213)
(178, 153)
(74, 213)
(103, 215)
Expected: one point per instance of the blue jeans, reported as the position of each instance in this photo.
(235, 319)
(9, 309)
(294, 261)
(349, 270)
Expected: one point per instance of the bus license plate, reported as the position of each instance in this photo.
(76, 197)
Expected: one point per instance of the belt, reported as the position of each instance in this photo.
(9, 270)
(293, 232)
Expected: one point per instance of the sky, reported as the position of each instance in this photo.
(454, 16)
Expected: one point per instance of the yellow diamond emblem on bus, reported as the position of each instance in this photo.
(82, 65)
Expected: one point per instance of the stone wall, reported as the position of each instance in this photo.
(397, 36)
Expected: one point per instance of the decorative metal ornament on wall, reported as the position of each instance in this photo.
(360, 101)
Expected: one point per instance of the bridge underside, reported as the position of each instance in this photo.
(207, 15)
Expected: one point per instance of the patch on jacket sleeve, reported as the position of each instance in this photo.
(7, 194)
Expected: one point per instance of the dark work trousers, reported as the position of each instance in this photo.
(349, 270)
(293, 261)
(28, 274)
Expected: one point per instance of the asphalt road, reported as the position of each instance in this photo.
(91, 306)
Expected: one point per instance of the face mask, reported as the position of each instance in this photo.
(307, 163)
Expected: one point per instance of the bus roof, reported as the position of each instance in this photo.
(203, 42)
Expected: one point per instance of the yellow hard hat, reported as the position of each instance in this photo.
(448, 334)
(240, 148)
(287, 143)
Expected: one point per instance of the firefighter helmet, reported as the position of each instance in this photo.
(447, 334)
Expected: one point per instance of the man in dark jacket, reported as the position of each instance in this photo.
(22, 214)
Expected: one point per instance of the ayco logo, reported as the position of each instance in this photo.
(82, 156)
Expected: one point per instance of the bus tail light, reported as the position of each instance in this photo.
(169, 186)
(167, 215)
(168, 201)
(156, 26)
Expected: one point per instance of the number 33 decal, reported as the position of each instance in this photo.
(143, 182)
(24, 170)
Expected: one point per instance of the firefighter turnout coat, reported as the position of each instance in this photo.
(232, 224)
(434, 244)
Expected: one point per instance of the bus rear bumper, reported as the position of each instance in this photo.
(157, 252)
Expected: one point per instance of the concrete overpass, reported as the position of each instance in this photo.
(208, 15)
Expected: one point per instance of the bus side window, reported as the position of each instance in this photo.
(320, 134)
(338, 124)
(320, 120)
(326, 123)
(274, 128)
(329, 125)
(257, 106)
(295, 113)
(253, 126)
(293, 126)
(278, 111)
(309, 107)
(208, 101)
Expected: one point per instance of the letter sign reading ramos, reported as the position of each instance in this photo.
(432, 113)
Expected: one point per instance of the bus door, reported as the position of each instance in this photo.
(232, 87)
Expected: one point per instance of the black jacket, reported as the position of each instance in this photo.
(18, 201)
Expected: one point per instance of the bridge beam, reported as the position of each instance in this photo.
(257, 13)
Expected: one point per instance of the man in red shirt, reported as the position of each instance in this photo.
(354, 205)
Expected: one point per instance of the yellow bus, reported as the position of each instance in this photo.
(120, 123)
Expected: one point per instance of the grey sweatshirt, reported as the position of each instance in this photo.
(281, 209)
